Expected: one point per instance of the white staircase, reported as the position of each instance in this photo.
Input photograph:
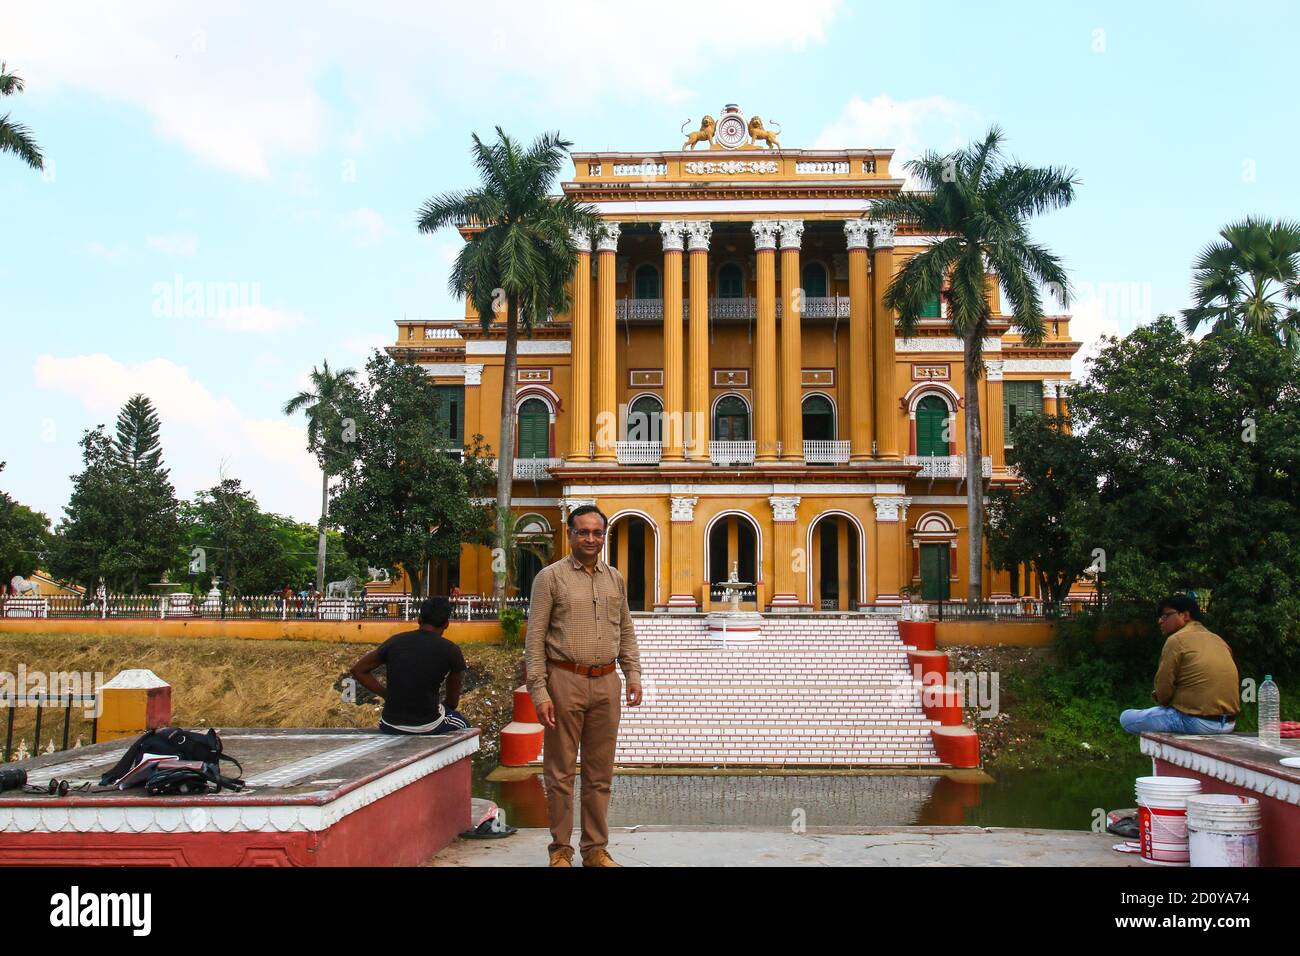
(815, 690)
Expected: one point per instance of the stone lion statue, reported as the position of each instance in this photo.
(19, 585)
(760, 134)
(702, 135)
(342, 588)
(378, 575)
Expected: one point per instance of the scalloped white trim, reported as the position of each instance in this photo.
(1238, 776)
(223, 815)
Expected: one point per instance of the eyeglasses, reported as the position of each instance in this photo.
(597, 535)
(1167, 614)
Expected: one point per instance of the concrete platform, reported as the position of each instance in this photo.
(314, 797)
(819, 846)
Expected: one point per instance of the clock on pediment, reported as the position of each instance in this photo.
(732, 132)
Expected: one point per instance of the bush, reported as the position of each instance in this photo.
(512, 625)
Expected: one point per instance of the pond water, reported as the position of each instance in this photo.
(1061, 799)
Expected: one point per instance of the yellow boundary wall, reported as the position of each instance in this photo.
(995, 634)
(354, 632)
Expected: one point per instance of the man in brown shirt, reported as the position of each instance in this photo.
(1197, 686)
(578, 626)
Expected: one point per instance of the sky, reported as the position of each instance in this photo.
(276, 155)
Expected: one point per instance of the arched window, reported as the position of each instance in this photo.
(931, 422)
(534, 429)
(647, 282)
(731, 282)
(731, 419)
(818, 419)
(814, 280)
(644, 418)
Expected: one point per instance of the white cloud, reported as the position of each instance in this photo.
(116, 253)
(909, 127)
(201, 432)
(176, 245)
(239, 84)
(257, 318)
(368, 227)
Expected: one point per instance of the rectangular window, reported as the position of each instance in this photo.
(1019, 399)
(931, 308)
(451, 413)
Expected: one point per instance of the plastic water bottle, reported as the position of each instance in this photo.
(1270, 729)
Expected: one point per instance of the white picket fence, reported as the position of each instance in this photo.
(404, 607)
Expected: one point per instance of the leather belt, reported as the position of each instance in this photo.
(582, 669)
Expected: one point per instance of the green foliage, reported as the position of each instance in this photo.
(122, 521)
(14, 137)
(981, 203)
(512, 625)
(404, 499)
(1250, 280)
(24, 538)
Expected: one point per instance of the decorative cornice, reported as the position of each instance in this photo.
(683, 508)
(607, 241)
(791, 233)
(884, 230)
(673, 232)
(945, 343)
(699, 231)
(764, 231)
(1037, 365)
(857, 232)
(526, 347)
(784, 506)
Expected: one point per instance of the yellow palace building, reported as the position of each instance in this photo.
(731, 391)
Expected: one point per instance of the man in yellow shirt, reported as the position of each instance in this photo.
(1197, 686)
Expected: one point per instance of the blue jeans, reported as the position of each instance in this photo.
(1167, 720)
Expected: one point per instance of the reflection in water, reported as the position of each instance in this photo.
(1052, 799)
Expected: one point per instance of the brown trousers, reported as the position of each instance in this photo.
(587, 710)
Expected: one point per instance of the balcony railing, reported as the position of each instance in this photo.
(745, 308)
(535, 469)
(731, 452)
(818, 452)
(946, 466)
(638, 452)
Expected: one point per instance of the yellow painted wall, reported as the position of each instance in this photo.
(367, 632)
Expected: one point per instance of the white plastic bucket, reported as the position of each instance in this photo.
(1223, 830)
(1162, 817)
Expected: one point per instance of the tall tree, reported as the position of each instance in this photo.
(328, 404)
(24, 538)
(519, 259)
(980, 202)
(406, 498)
(137, 445)
(14, 137)
(1250, 279)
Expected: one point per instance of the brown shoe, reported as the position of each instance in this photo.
(562, 857)
(599, 857)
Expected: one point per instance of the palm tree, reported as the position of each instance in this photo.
(519, 258)
(979, 202)
(325, 404)
(1250, 279)
(14, 137)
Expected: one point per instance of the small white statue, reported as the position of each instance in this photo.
(19, 585)
(342, 588)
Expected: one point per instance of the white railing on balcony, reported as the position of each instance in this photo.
(535, 469)
(818, 452)
(441, 333)
(745, 307)
(946, 466)
(731, 452)
(638, 452)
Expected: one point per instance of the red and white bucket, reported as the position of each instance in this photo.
(1162, 817)
(1223, 830)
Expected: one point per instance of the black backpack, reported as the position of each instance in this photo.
(171, 742)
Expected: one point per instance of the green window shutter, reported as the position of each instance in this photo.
(647, 283)
(814, 281)
(731, 282)
(931, 415)
(534, 430)
(451, 413)
(934, 572)
(931, 308)
(1018, 400)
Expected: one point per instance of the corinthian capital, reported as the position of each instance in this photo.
(884, 231)
(674, 234)
(698, 232)
(791, 233)
(764, 231)
(607, 241)
(855, 231)
(581, 239)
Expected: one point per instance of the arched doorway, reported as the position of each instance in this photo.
(818, 418)
(534, 429)
(632, 546)
(534, 544)
(934, 541)
(835, 568)
(732, 540)
(731, 419)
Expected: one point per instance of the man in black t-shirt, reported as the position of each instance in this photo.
(417, 663)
